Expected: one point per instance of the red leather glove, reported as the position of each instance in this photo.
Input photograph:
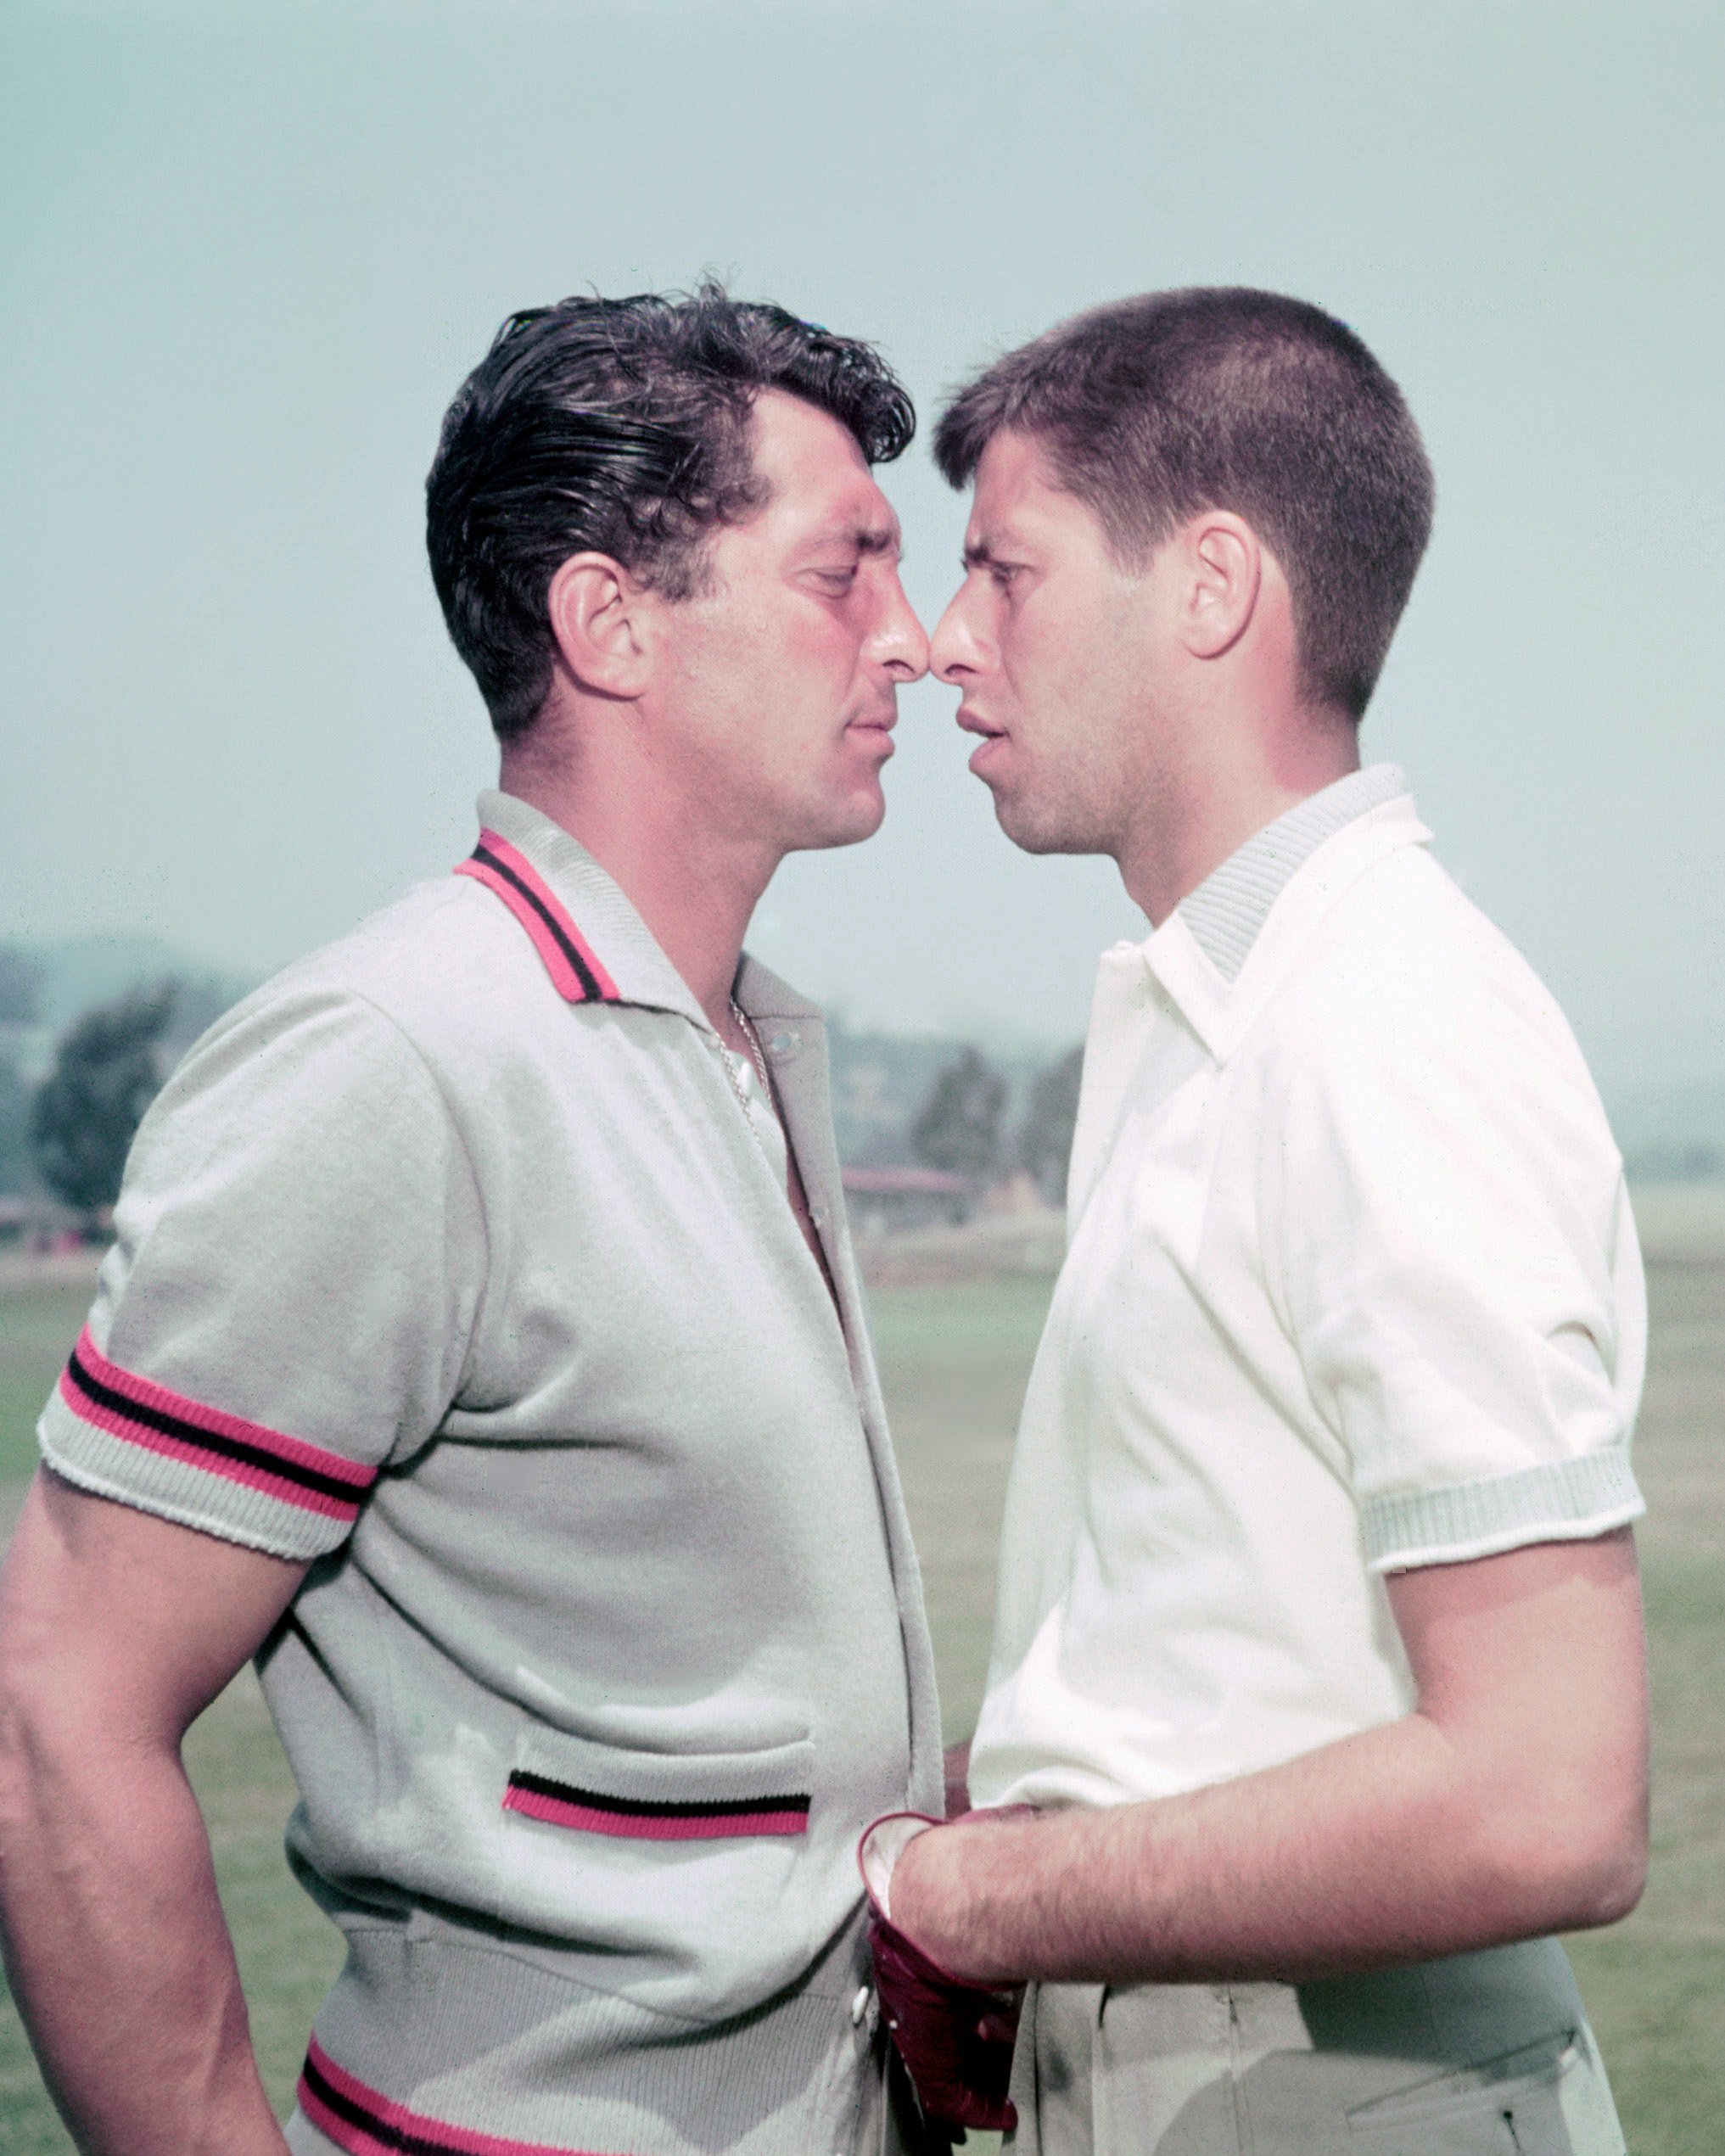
(954, 2038)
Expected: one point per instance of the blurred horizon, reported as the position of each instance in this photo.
(254, 248)
(1669, 1130)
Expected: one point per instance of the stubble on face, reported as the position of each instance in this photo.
(788, 660)
(1073, 789)
(1052, 643)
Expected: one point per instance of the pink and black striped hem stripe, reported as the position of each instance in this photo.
(575, 972)
(364, 2122)
(560, 1803)
(108, 1398)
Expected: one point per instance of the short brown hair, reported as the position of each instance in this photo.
(1218, 397)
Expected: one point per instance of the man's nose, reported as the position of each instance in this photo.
(952, 650)
(902, 641)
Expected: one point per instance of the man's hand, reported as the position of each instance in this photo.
(1511, 1803)
(954, 2038)
(933, 1884)
(116, 1630)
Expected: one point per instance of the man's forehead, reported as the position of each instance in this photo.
(1018, 496)
(790, 435)
(818, 475)
(1015, 470)
(854, 511)
(997, 529)
(861, 517)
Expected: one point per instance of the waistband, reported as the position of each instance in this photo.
(442, 2038)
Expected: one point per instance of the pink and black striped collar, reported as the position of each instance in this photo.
(569, 959)
(595, 947)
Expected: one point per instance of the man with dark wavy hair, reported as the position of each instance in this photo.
(1317, 1702)
(481, 1349)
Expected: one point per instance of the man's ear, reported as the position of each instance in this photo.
(597, 611)
(1222, 562)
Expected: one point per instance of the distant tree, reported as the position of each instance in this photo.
(959, 1129)
(1050, 1115)
(14, 1129)
(199, 999)
(20, 1002)
(20, 987)
(106, 1072)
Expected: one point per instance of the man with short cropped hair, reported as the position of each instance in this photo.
(1318, 1664)
(482, 1349)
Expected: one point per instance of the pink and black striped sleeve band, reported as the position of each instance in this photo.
(149, 1415)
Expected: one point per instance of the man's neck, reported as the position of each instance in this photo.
(695, 892)
(1193, 824)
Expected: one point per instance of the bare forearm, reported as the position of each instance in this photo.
(120, 1958)
(1513, 1802)
(1368, 1852)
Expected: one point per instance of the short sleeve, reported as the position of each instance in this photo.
(1448, 1235)
(295, 1278)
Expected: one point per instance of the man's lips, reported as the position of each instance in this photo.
(876, 728)
(973, 722)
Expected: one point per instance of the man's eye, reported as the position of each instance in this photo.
(837, 580)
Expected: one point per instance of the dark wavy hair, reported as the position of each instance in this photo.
(1218, 397)
(619, 425)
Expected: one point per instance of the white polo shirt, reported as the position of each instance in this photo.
(1352, 1286)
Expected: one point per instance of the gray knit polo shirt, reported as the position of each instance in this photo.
(449, 1262)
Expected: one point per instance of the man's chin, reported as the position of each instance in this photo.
(846, 824)
(1038, 827)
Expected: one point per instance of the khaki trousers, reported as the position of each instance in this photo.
(1484, 2054)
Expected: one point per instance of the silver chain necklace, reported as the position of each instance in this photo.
(746, 1026)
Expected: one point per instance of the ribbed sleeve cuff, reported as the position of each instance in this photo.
(1566, 1500)
(172, 1489)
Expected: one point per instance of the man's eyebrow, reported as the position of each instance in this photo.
(979, 555)
(869, 539)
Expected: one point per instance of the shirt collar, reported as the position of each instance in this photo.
(1232, 904)
(1223, 950)
(593, 943)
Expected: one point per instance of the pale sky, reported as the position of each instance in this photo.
(251, 249)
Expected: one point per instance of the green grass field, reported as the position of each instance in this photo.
(954, 1359)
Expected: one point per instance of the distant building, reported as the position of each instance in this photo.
(32, 1221)
(887, 1200)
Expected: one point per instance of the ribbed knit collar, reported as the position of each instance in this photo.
(1232, 904)
(1277, 918)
